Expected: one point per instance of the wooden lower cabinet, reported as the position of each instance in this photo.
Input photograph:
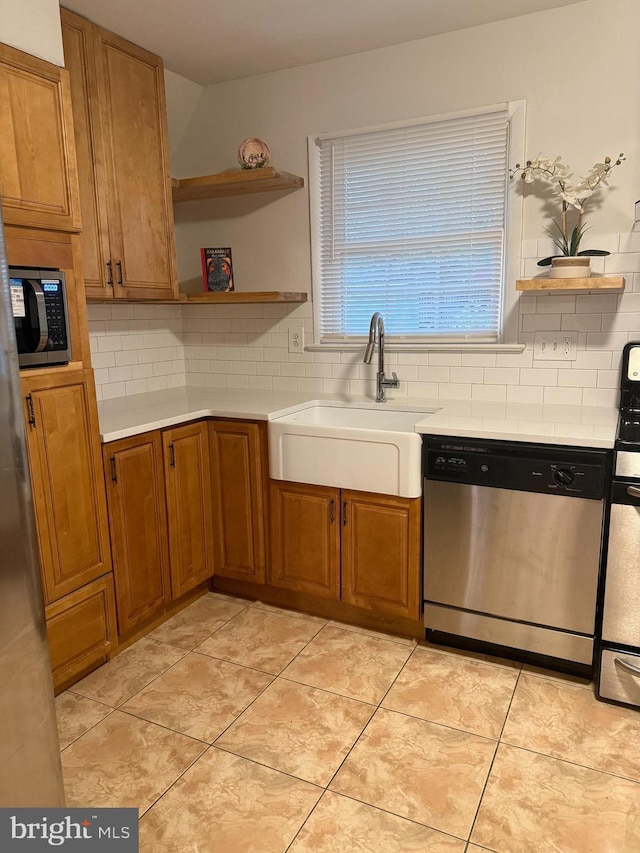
(381, 553)
(239, 484)
(305, 538)
(359, 547)
(82, 630)
(138, 523)
(66, 476)
(189, 505)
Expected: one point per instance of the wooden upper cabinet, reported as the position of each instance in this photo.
(305, 538)
(78, 37)
(38, 175)
(189, 505)
(138, 524)
(124, 160)
(381, 553)
(239, 480)
(67, 480)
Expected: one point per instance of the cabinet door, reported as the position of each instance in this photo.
(67, 479)
(133, 118)
(238, 456)
(38, 176)
(138, 525)
(381, 553)
(82, 630)
(189, 506)
(78, 36)
(305, 538)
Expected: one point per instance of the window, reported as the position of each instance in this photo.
(411, 220)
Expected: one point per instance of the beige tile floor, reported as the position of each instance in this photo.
(242, 728)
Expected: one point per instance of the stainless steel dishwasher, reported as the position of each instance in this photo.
(512, 542)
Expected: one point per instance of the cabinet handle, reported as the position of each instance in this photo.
(109, 274)
(31, 412)
(114, 471)
(119, 268)
(634, 670)
(344, 513)
(332, 510)
(172, 456)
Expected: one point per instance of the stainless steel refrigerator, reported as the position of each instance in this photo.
(30, 771)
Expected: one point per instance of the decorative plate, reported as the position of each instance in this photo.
(253, 154)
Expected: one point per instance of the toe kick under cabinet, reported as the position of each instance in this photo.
(358, 547)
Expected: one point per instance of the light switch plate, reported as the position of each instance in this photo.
(296, 337)
(555, 346)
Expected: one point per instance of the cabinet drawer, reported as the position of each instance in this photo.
(82, 629)
(616, 682)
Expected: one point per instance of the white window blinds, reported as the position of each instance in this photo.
(411, 223)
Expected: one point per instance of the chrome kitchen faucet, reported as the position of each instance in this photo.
(376, 333)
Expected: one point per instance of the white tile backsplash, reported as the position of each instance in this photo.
(138, 347)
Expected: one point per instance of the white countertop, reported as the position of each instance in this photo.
(579, 426)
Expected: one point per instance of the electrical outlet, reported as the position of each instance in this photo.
(555, 346)
(296, 337)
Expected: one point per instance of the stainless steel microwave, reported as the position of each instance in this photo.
(39, 306)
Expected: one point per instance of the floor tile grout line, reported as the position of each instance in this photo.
(435, 723)
(372, 633)
(495, 753)
(320, 628)
(281, 674)
(513, 696)
(395, 814)
(220, 627)
(569, 761)
(376, 709)
(472, 656)
(158, 642)
(234, 663)
(175, 781)
(282, 611)
(304, 822)
(153, 680)
(274, 678)
(326, 690)
(229, 751)
(399, 673)
(163, 726)
(76, 739)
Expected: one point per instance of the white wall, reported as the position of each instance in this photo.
(182, 98)
(33, 26)
(577, 67)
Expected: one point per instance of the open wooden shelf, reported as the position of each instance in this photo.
(247, 296)
(599, 284)
(234, 182)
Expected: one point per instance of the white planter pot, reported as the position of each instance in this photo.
(571, 266)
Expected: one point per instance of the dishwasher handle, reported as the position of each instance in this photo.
(629, 667)
(624, 492)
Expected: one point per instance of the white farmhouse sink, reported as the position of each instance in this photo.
(368, 449)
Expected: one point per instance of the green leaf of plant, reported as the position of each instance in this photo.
(594, 253)
(546, 262)
(559, 238)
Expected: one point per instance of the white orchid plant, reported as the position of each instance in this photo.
(573, 197)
